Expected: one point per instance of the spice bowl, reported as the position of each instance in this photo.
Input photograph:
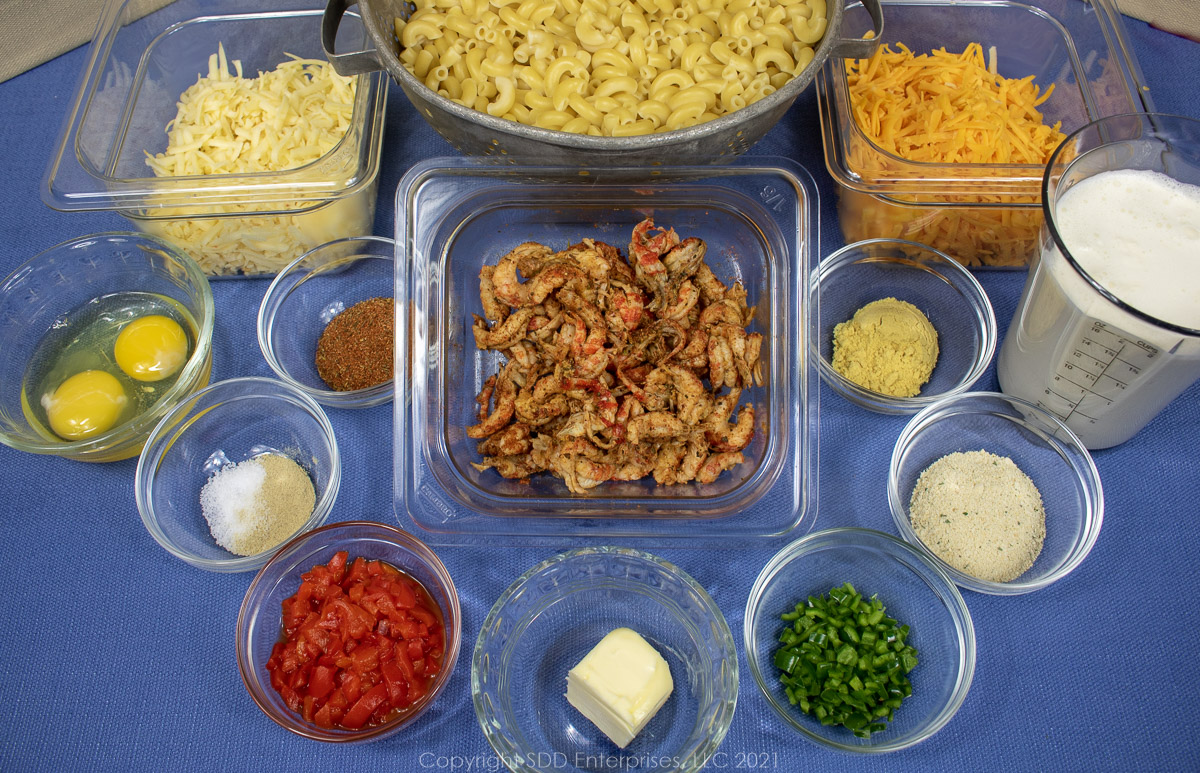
(936, 284)
(544, 624)
(227, 424)
(307, 295)
(914, 590)
(1039, 444)
(259, 623)
(61, 315)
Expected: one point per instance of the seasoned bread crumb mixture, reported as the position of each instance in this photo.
(979, 513)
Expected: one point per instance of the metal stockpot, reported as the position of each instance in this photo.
(476, 133)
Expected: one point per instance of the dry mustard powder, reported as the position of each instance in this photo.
(888, 346)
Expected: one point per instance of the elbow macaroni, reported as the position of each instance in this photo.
(609, 67)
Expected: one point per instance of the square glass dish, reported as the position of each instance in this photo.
(251, 223)
(454, 216)
(981, 214)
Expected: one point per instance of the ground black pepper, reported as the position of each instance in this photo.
(355, 350)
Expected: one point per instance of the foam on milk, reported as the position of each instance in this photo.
(1137, 233)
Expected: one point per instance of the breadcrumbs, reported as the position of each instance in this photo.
(979, 513)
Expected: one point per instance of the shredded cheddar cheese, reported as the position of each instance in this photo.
(282, 119)
(947, 108)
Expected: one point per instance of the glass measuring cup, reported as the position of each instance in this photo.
(1078, 346)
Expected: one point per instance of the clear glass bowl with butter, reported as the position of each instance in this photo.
(548, 622)
(947, 294)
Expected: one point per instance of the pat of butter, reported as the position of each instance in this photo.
(620, 685)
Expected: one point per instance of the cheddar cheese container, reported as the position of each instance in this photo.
(246, 224)
(984, 215)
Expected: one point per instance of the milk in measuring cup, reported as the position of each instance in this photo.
(1103, 370)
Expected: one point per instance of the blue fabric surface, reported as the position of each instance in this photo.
(117, 656)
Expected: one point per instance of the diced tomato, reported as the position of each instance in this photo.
(361, 642)
(321, 683)
(358, 571)
(362, 709)
(337, 565)
(423, 615)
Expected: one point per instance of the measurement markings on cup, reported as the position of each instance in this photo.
(1098, 369)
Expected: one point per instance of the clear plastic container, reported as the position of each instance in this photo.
(981, 214)
(232, 224)
(456, 215)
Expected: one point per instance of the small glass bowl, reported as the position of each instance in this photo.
(946, 292)
(553, 615)
(259, 620)
(224, 424)
(914, 590)
(305, 297)
(1045, 450)
(36, 297)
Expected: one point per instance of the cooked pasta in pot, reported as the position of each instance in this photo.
(609, 67)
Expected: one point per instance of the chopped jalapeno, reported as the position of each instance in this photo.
(843, 661)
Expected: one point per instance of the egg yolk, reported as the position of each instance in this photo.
(151, 348)
(86, 404)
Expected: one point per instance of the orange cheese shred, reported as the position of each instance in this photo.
(950, 108)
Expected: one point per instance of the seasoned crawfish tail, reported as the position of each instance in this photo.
(626, 310)
(505, 334)
(733, 437)
(511, 467)
(493, 309)
(667, 465)
(654, 425)
(695, 454)
(712, 290)
(510, 441)
(715, 464)
(681, 299)
(601, 262)
(646, 248)
(506, 396)
(506, 287)
(673, 386)
(684, 259)
(484, 398)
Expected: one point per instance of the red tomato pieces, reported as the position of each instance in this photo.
(360, 644)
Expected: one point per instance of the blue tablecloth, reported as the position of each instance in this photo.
(116, 655)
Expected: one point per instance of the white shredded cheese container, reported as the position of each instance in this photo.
(233, 218)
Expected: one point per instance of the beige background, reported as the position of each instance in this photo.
(35, 31)
(1179, 16)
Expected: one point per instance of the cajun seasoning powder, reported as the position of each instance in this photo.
(355, 350)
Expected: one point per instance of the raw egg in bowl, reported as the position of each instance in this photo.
(100, 336)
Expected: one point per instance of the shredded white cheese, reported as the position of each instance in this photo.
(229, 124)
(979, 513)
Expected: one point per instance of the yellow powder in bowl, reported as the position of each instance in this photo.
(888, 346)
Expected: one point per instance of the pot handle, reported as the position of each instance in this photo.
(357, 62)
(857, 48)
